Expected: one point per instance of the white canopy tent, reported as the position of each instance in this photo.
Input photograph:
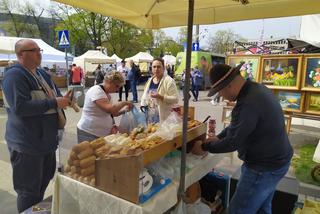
(140, 57)
(118, 59)
(90, 60)
(50, 55)
(310, 29)
(169, 59)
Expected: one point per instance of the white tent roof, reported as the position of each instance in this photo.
(141, 57)
(310, 29)
(118, 59)
(50, 54)
(169, 59)
(95, 56)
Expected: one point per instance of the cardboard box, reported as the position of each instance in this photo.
(120, 176)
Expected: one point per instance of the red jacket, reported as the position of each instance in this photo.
(76, 74)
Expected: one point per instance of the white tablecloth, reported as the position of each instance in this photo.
(71, 196)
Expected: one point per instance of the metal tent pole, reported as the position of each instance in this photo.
(181, 192)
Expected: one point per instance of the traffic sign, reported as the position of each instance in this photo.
(64, 38)
(195, 46)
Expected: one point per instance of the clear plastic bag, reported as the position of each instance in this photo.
(170, 127)
(131, 120)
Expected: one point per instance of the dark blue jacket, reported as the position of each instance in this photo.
(257, 130)
(197, 77)
(29, 129)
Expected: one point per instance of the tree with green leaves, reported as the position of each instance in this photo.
(222, 41)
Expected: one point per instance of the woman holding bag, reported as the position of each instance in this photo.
(98, 111)
(160, 93)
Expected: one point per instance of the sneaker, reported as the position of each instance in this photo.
(135, 101)
(194, 100)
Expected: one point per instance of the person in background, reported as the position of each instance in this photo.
(124, 71)
(169, 70)
(99, 75)
(205, 68)
(266, 152)
(77, 75)
(197, 81)
(133, 77)
(160, 89)
(98, 111)
(32, 102)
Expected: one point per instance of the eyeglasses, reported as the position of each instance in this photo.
(38, 50)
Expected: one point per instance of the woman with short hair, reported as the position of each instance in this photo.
(98, 111)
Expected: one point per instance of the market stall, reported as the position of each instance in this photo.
(90, 60)
(110, 169)
(157, 14)
(72, 196)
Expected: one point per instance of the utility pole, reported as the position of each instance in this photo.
(197, 34)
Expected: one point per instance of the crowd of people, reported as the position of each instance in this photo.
(35, 114)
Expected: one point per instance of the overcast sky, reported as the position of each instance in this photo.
(250, 30)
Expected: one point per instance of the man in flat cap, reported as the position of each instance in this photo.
(257, 132)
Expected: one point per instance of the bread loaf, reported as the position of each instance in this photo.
(85, 153)
(95, 144)
(88, 171)
(81, 147)
(75, 169)
(84, 163)
(73, 155)
(102, 151)
(76, 163)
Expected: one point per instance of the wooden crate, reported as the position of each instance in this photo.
(120, 176)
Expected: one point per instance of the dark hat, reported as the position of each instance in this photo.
(221, 75)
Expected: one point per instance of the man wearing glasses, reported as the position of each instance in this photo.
(32, 101)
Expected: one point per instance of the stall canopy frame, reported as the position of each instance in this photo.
(155, 14)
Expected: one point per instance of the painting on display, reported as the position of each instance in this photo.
(281, 72)
(250, 68)
(313, 103)
(290, 100)
(311, 74)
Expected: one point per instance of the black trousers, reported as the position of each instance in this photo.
(31, 176)
(126, 90)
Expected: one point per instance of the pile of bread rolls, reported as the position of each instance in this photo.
(81, 162)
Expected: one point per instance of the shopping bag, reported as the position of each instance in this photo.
(139, 117)
(131, 120)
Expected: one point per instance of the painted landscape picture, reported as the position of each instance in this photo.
(250, 68)
(280, 72)
(290, 101)
(314, 103)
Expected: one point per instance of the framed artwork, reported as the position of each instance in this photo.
(312, 103)
(281, 72)
(250, 68)
(291, 101)
(226, 114)
(311, 73)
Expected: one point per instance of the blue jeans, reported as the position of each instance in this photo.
(85, 136)
(133, 84)
(195, 91)
(255, 190)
